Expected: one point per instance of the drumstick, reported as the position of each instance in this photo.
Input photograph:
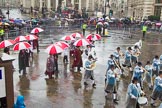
(117, 65)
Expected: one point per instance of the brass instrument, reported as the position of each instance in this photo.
(92, 67)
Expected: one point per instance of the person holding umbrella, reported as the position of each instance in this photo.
(23, 61)
(77, 58)
(50, 66)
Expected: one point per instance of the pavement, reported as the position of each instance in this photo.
(68, 90)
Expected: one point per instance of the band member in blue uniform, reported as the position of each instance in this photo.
(148, 76)
(111, 83)
(134, 91)
(156, 66)
(157, 92)
(128, 56)
(138, 72)
(135, 54)
(88, 72)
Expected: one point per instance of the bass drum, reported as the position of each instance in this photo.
(142, 101)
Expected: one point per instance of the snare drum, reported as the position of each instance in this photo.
(142, 101)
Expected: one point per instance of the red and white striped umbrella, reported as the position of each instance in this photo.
(31, 37)
(62, 44)
(54, 49)
(20, 38)
(37, 30)
(158, 24)
(6, 43)
(74, 35)
(67, 38)
(81, 42)
(93, 37)
(21, 45)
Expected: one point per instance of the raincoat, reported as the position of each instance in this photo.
(133, 94)
(111, 81)
(109, 63)
(156, 66)
(20, 102)
(128, 56)
(149, 73)
(157, 92)
(88, 73)
(77, 58)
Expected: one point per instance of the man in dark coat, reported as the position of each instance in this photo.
(23, 61)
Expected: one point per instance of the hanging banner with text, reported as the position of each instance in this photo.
(2, 83)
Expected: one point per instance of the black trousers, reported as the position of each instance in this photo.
(65, 59)
(83, 32)
(144, 33)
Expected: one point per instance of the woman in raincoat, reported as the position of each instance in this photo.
(50, 66)
(20, 102)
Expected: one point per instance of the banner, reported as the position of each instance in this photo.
(2, 83)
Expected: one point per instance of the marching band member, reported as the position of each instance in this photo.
(157, 92)
(128, 55)
(88, 72)
(134, 91)
(135, 54)
(156, 65)
(111, 83)
(149, 68)
(110, 62)
(138, 72)
(117, 54)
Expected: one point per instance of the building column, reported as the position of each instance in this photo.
(65, 2)
(72, 2)
(80, 5)
(49, 5)
(161, 15)
(32, 3)
(24, 3)
(56, 4)
(40, 5)
(87, 5)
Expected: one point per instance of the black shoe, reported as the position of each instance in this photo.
(153, 105)
(115, 101)
(94, 85)
(85, 83)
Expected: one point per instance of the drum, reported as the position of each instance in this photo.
(142, 101)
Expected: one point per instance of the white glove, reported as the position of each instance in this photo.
(160, 85)
(133, 97)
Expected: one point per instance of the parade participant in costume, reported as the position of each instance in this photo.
(135, 54)
(157, 92)
(128, 55)
(66, 53)
(111, 82)
(134, 92)
(23, 61)
(149, 68)
(20, 102)
(156, 66)
(50, 66)
(117, 54)
(87, 50)
(138, 72)
(110, 62)
(36, 43)
(77, 58)
(89, 71)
